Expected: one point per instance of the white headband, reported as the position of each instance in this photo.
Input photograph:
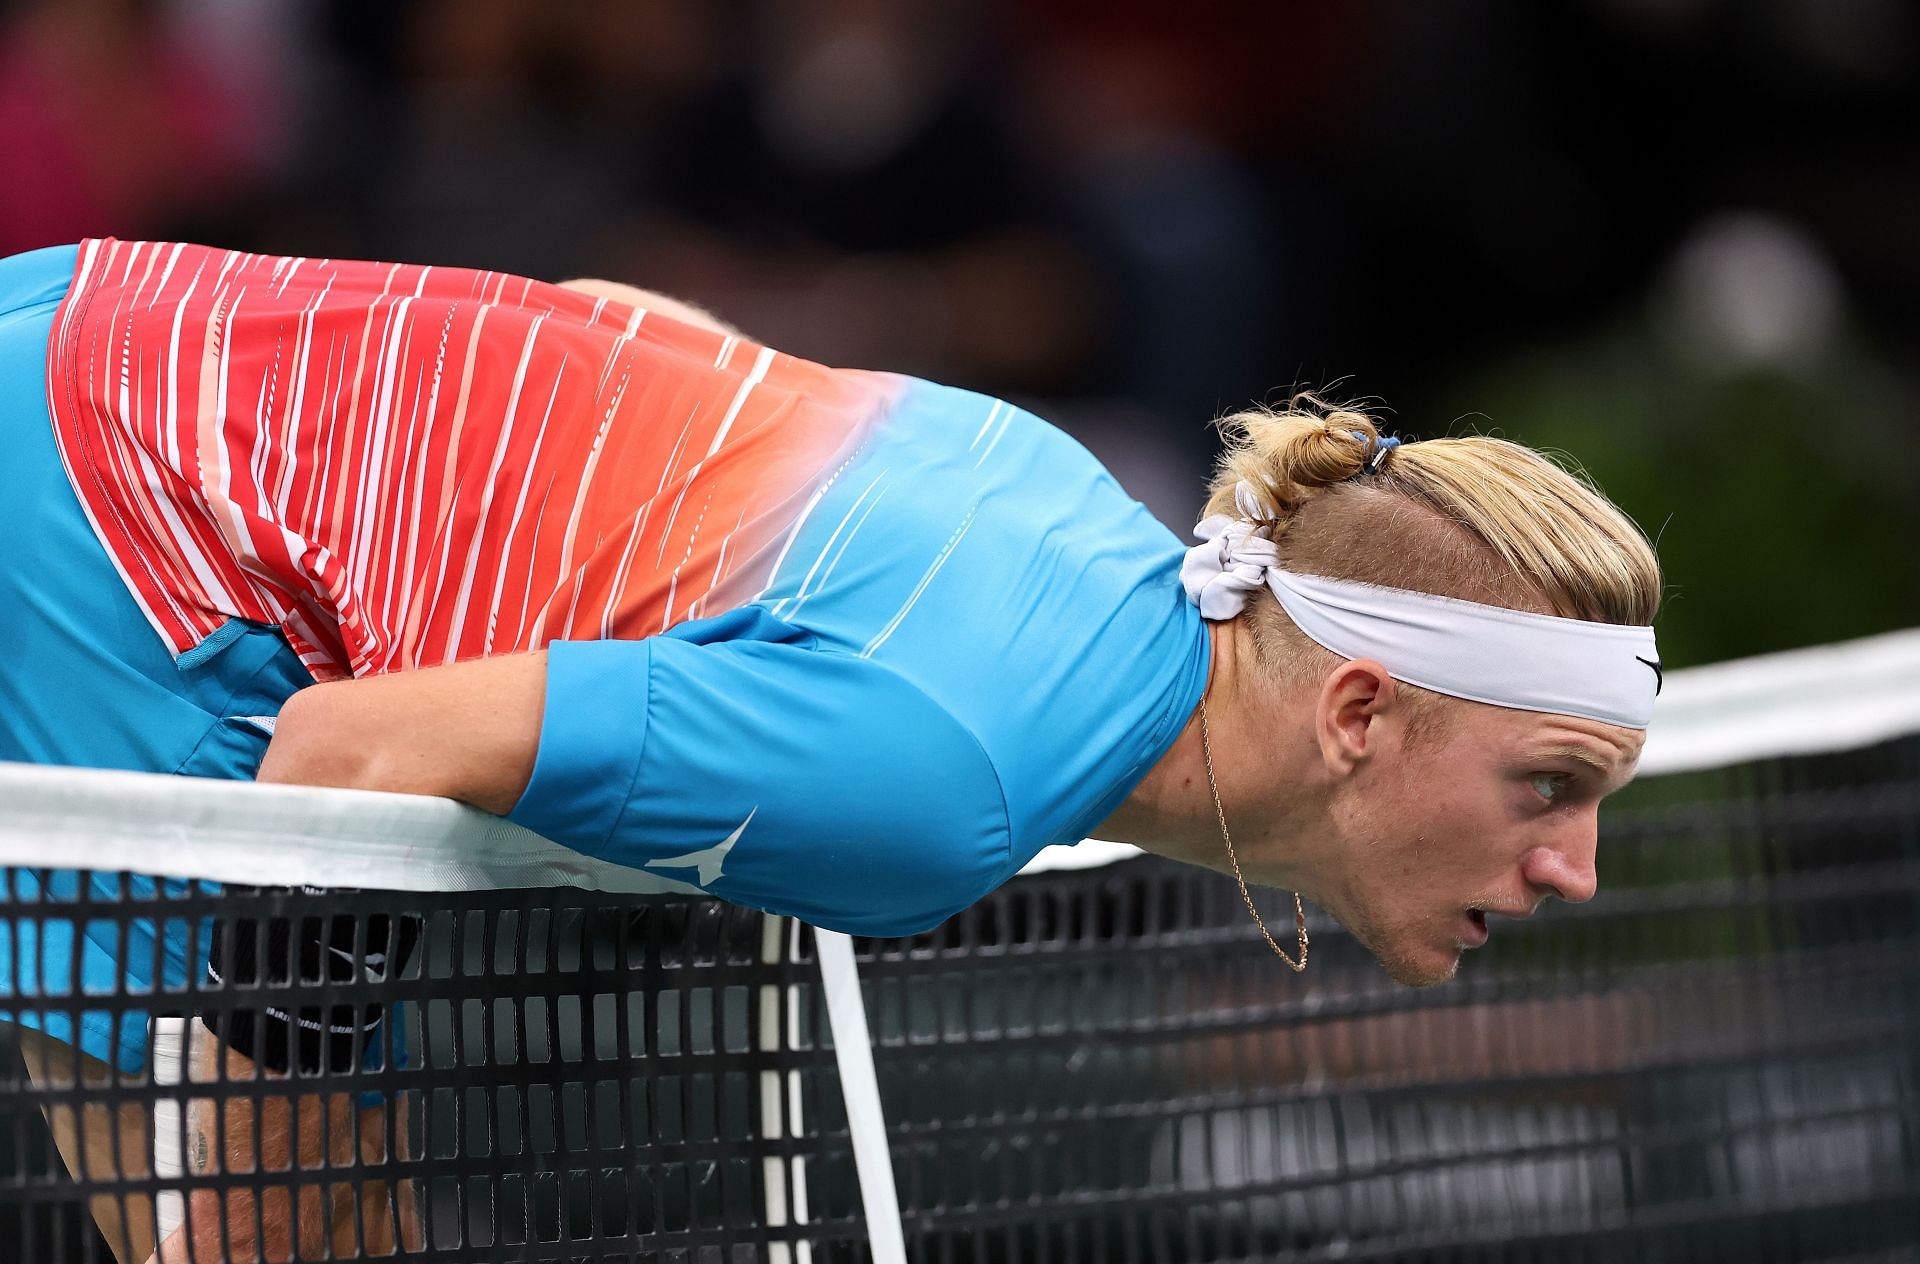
(1509, 658)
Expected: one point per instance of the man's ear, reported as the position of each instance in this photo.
(1347, 712)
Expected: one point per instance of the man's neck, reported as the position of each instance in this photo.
(1172, 812)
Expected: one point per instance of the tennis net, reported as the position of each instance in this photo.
(513, 1053)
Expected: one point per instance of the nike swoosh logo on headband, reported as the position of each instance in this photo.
(1659, 677)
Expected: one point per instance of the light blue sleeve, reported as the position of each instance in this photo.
(793, 779)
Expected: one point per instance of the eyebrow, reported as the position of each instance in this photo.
(1575, 752)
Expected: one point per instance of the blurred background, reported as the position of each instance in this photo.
(1674, 238)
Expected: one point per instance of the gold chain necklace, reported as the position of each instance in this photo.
(1299, 912)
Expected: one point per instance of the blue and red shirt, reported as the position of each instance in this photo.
(842, 645)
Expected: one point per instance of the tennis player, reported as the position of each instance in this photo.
(842, 645)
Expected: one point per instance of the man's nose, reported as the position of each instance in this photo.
(1566, 866)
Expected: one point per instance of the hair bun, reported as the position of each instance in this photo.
(1292, 453)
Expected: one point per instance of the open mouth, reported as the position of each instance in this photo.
(1476, 928)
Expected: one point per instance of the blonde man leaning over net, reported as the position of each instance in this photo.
(845, 646)
(1428, 664)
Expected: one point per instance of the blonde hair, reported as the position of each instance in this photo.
(1477, 518)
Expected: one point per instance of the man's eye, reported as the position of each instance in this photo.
(1548, 785)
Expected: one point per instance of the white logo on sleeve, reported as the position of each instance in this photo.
(708, 860)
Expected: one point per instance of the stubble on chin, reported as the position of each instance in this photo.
(1406, 953)
(1419, 973)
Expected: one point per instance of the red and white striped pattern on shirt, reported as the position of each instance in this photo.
(404, 465)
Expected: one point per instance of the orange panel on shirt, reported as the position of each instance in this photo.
(406, 465)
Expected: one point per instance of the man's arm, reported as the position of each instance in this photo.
(767, 772)
(467, 731)
(99, 1141)
(321, 1213)
(685, 313)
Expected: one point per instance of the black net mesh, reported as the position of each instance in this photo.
(1718, 1059)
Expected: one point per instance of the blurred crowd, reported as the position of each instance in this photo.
(1672, 237)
